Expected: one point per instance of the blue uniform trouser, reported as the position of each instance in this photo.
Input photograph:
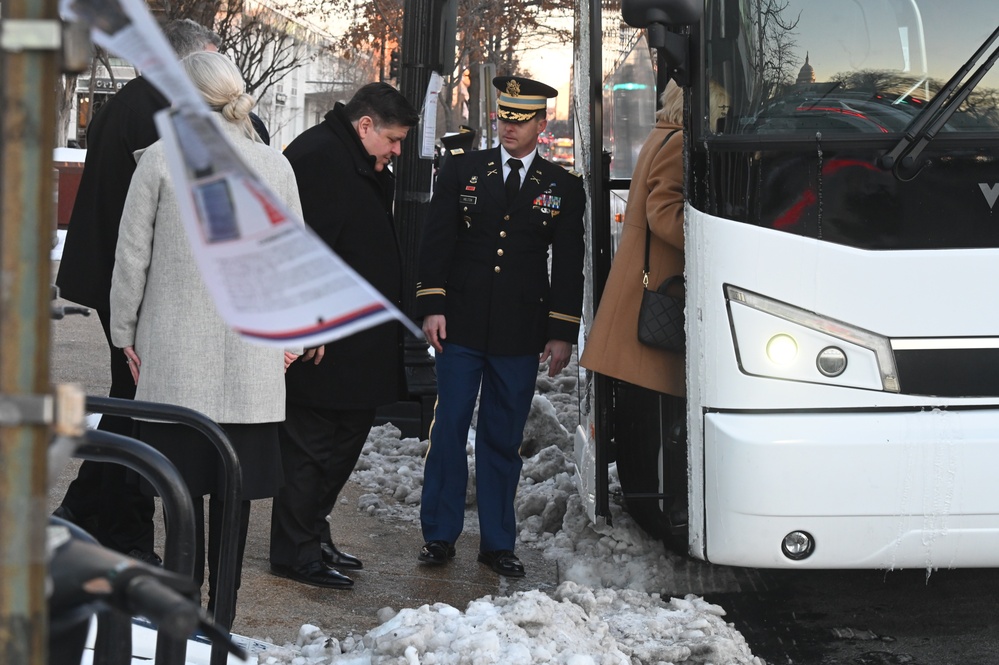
(507, 385)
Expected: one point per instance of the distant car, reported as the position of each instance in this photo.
(562, 152)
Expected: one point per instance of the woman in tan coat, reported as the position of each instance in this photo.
(643, 412)
(655, 199)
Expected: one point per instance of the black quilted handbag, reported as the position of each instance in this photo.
(660, 317)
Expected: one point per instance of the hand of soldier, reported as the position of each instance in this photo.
(289, 358)
(435, 330)
(557, 352)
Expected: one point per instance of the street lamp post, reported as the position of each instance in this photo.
(427, 39)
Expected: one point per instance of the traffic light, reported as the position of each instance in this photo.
(394, 65)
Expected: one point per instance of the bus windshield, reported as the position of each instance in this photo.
(844, 66)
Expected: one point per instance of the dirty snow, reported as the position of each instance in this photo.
(607, 611)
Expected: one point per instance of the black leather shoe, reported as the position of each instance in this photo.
(436, 552)
(316, 574)
(334, 558)
(503, 562)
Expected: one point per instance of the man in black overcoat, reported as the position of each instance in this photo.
(347, 192)
(99, 498)
(492, 314)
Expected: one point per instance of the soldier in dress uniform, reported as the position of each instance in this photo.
(492, 314)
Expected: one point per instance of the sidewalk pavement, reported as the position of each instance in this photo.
(273, 608)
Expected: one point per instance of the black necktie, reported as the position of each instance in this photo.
(513, 180)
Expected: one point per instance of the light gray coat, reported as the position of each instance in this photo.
(161, 307)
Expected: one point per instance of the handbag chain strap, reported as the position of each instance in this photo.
(648, 228)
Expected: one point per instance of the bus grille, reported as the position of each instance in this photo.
(948, 372)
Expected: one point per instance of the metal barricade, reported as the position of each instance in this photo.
(114, 635)
(231, 493)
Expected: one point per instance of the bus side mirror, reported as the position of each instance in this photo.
(640, 13)
(675, 51)
(656, 16)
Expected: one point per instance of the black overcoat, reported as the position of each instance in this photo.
(349, 205)
(484, 264)
(123, 125)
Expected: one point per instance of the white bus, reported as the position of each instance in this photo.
(842, 265)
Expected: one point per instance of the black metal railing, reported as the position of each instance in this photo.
(178, 549)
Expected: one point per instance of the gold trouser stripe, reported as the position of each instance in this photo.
(430, 432)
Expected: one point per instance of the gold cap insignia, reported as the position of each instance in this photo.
(513, 88)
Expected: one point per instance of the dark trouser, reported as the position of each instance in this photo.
(319, 448)
(644, 420)
(101, 499)
(215, 505)
(507, 385)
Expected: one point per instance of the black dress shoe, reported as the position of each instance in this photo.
(503, 562)
(316, 573)
(436, 552)
(334, 558)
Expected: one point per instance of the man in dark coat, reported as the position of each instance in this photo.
(492, 315)
(347, 192)
(100, 499)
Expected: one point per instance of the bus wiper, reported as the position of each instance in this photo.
(934, 116)
(830, 88)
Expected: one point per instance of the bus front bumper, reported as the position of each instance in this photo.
(884, 490)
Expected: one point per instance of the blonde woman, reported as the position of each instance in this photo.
(179, 349)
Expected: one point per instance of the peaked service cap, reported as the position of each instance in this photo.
(520, 99)
(463, 140)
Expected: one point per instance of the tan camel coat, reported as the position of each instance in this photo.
(612, 347)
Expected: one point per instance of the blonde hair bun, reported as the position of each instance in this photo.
(239, 108)
(220, 82)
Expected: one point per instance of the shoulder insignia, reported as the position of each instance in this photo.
(576, 173)
(458, 151)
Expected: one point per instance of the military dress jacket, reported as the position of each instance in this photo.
(485, 265)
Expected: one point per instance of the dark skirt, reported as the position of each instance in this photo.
(199, 463)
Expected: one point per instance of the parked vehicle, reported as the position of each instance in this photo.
(841, 254)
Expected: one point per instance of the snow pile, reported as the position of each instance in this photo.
(576, 625)
(608, 609)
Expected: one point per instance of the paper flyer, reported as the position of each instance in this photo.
(429, 115)
(272, 279)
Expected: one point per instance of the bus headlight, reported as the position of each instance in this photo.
(831, 361)
(777, 340)
(781, 349)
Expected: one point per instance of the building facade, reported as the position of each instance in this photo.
(309, 76)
